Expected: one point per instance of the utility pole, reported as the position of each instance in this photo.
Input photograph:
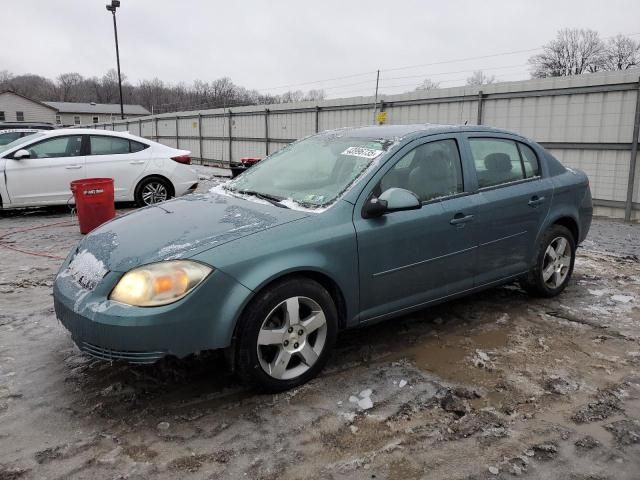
(112, 8)
(375, 103)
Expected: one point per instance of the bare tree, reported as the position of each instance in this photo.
(479, 78)
(317, 94)
(292, 96)
(5, 78)
(427, 84)
(621, 53)
(573, 52)
(108, 91)
(67, 84)
(154, 95)
(32, 86)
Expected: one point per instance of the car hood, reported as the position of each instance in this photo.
(180, 228)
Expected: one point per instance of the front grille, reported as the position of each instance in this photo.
(102, 353)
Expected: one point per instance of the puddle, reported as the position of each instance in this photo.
(450, 357)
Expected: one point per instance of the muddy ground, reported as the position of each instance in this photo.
(496, 385)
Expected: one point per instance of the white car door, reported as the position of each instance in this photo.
(45, 176)
(119, 158)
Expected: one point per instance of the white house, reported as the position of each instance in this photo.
(16, 107)
(70, 113)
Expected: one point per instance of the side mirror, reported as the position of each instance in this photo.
(391, 200)
(21, 154)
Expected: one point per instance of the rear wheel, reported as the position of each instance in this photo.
(554, 263)
(153, 190)
(286, 335)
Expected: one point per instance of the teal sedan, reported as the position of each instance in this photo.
(338, 230)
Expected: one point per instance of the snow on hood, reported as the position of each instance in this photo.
(86, 269)
(180, 228)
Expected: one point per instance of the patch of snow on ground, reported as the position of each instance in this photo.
(622, 298)
(598, 293)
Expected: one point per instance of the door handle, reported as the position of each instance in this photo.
(535, 201)
(73, 167)
(136, 162)
(460, 219)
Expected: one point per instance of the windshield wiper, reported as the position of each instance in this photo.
(272, 199)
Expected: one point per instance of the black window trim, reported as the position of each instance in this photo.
(525, 179)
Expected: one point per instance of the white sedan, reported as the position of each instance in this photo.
(38, 169)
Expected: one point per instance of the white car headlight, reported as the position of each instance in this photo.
(159, 283)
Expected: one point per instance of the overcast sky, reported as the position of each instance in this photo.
(266, 44)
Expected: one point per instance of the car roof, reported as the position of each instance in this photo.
(84, 131)
(401, 132)
(92, 131)
(8, 130)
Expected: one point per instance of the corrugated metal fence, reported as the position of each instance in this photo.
(588, 121)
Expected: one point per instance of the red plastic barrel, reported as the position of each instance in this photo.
(94, 202)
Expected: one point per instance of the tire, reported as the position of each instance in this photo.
(549, 277)
(271, 353)
(153, 190)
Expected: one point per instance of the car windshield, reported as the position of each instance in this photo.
(15, 143)
(312, 172)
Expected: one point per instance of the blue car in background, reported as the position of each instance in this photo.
(338, 230)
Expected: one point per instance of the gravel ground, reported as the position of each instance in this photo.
(497, 385)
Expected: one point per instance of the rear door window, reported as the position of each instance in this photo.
(137, 146)
(102, 145)
(529, 161)
(496, 160)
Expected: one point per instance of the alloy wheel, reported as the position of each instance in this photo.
(154, 192)
(291, 338)
(556, 262)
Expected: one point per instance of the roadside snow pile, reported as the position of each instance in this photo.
(622, 298)
(86, 269)
(482, 360)
(363, 400)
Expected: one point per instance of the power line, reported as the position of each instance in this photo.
(408, 67)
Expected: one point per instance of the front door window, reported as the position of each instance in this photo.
(431, 171)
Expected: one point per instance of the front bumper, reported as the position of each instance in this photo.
(203, 320)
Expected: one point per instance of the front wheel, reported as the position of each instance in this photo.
(555, 258)
(286, 335)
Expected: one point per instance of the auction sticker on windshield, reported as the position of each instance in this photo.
(362, 152)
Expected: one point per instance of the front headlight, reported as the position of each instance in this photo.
(159, 283)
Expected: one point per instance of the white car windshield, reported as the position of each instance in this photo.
(313, 172)
(19, 141)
